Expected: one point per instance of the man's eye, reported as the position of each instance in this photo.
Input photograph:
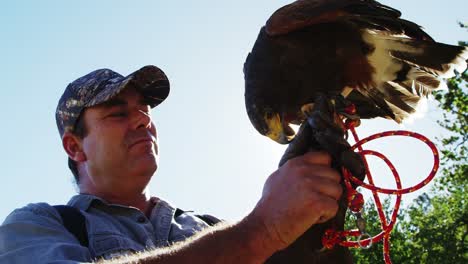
(118, 114)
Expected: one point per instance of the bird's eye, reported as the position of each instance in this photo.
(269, 115)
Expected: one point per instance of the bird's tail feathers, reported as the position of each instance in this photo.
(423, 83)
(414, 70)
(441, 60)
(404, 102)
(407, 96)
(401, 116)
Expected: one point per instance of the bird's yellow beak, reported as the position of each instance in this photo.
(276, 129)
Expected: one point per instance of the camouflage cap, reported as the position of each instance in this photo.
(101, 85)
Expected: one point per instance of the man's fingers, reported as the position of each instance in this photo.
(326, 187)
(325, 172)
(315, 164)
(318, 158)
(328, 208)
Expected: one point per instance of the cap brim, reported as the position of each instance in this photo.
(149, 80)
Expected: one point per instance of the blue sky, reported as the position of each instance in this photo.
(212, 160)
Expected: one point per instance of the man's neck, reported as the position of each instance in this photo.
(140, 200)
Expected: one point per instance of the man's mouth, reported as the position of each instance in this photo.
(142, 141)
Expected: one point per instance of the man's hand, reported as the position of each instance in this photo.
(301, 193)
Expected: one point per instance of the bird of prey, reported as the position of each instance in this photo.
(315, 58)
(360, 49)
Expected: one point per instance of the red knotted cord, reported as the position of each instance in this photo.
(356, 201)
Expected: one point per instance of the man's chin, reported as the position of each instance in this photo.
(146, 164)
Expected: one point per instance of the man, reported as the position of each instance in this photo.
(107, 132)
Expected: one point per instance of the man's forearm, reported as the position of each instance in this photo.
(305, 189)
(243, 242)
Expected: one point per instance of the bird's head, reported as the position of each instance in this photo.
(270, 123)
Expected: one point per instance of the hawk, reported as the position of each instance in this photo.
(361, 49)
(315, 58)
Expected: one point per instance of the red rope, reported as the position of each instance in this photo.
(356, 201)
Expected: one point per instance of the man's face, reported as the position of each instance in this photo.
(121, 144)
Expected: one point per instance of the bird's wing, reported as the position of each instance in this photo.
(302, 13)
(367, 13)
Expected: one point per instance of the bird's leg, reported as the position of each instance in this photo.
(323, 130)
(347, 111)
(320, 118)
(345, 108)
(329, 134)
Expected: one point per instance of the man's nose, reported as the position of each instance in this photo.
(142, 119)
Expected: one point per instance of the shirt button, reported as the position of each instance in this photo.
(141, 219)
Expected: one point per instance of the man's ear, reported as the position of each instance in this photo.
(73, 146)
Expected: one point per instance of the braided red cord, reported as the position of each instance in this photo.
(356, 201)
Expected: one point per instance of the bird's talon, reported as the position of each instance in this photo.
(307, 109)
(351, 123)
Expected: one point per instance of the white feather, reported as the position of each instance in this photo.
(385, 67)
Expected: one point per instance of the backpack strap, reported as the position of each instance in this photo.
(209, 219)
(75, 222)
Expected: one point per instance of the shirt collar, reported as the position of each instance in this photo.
(84, 201)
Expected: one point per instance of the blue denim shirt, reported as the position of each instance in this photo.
(35, 233)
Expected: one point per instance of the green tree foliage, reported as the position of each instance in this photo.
(455, 106)
(434, 228)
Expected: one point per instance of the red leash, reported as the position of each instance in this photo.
(356, 200)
